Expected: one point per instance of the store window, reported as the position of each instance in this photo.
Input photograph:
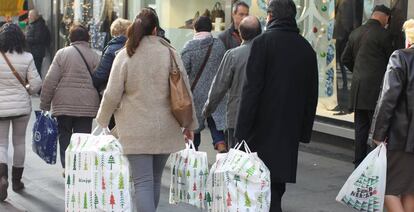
(97, 15)
(176, 17)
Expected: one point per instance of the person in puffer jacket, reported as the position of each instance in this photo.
(15, 102)
(68, 90)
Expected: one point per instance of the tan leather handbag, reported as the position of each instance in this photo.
(181, 102)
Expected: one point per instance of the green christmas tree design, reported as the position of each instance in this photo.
(74, 162)
(103, 199)
(208, 198)
(73, 179)
(121, 182)
(247, 201)
(73, 200)
(188, 196)
(181, 195)
(188, 173)
(250, 171)
(195, 163)
(121, 199)
(79, 199)
(111, 179)
(96, 162)
(180, 174)
(173, 170)
(80, 161)
(96, 201)
(68, 180)
(111, 161)
(85, 201)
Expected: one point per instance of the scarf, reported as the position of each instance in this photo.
(202, 35)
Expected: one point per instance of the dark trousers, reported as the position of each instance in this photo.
(38, 63)
(229, 138)
(216, 135)
(363, 119)
(68, 125)
(278, 189)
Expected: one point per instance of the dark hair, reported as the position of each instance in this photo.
(143, 25)
(282, 9)
(203, 24)
(12, 38)
(250, 31)
(237, 4)
(78, 32)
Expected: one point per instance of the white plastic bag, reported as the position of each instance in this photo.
(189, 171)
(239, 182)
(97, 175)
(365, 188)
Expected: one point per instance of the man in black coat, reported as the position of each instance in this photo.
(38, 38)
(279, 97)
(366, 55)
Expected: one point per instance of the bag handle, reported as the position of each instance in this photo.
(246, 147)
(217, 6)
(190, 145)
(84, 60)
(17, 75)
(203, 65)
(105, 131)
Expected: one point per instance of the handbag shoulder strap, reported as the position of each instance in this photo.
(203, 65)
(84, 60)
(15, 73)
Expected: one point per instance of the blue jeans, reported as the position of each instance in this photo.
(216, 135)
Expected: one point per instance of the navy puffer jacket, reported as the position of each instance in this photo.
(101, 74)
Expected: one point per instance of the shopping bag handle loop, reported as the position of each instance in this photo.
(246, 147)
(190, 144)
(105, 131)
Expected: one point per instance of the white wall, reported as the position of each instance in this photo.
(410, 9)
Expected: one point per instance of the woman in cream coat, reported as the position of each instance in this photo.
(138, 95)
(15, 103)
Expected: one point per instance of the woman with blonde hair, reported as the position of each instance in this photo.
(138, 94)
(393, 123)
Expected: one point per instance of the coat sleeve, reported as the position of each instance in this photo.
(221, 84)
(394, 83)
(33, 78)
(348, 57)
(101, 75)
(51, 81)
(311, 103)
(113, 92)
(252, 89)
(186, 59)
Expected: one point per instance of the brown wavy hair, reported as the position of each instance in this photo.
(143, 25)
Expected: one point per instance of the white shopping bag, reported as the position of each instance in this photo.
(97, 175)
(189, 171)
(239, 182)
(365, 188)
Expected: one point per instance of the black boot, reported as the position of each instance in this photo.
(3, 181)
(17, 173)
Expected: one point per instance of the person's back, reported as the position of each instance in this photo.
(208, 51)
(279, 97)
(18, 80)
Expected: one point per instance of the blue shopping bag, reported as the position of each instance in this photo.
(45, 135)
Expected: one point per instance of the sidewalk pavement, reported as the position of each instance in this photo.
(320, 176)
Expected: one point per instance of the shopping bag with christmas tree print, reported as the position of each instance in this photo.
(364, 190)
(97, 175)
(246, 182)
(189, 171)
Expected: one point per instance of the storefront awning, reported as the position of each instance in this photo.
(11, 7)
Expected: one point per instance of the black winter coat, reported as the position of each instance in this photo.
(101, 75)
(279, 98)
(38, 38)
(366, 55)
(393, 119)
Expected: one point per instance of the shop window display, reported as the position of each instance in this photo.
(97, 15)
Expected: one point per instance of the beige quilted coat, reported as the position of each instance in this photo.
(138, 95)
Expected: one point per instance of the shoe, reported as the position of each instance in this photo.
(17, 184)
(4, 184)
(337, 108)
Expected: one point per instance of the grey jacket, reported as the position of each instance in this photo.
(229, 78)
(193, 56)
